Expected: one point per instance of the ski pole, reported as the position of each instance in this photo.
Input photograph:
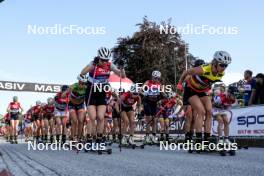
(120, 110)
(92, 83)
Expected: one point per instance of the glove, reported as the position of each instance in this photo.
(96, 60)
(179, 86)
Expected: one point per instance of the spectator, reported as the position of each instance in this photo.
(258, 95)
(249, 87)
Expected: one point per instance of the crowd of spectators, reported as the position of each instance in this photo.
(253, 88)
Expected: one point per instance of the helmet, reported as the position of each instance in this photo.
(82, 78)
(198, 63)
(15, 98)
(222, 86)
(50, 100)
(222, 57)
(38, 102)
(232, 90)
(64, 88)
(156, 74)
(43, 104)
(104, 53)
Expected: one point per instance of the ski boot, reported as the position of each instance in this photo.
(161, 139)
(51, 139)
(11, 140)
(63, 139)
(45, 139)
(58, 139)
(15, 139)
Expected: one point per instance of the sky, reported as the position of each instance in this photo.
(47, 58)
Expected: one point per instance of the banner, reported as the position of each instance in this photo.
(29, 87)
(248, 121)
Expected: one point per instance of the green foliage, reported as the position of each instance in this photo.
(149, 49)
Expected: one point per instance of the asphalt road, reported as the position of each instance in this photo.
(149, 161)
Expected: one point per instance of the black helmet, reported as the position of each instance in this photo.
(64, 88)
(198, 63)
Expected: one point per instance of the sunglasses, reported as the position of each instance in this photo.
(102, 60)
(223, 65)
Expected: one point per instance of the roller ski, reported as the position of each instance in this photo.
(101, 151)
(227, 148)
(97, 146)
(224, 147)
(11, 140)
(135, 144)
(73, 144)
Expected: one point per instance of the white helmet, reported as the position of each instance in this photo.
(82, 78)
(156, 74)
(38, 102)
(104, 53)
(222, 57)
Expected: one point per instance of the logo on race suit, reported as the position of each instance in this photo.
(250, 120)
(229, 114)
(101, 70)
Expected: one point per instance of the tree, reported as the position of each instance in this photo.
(152, 49)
